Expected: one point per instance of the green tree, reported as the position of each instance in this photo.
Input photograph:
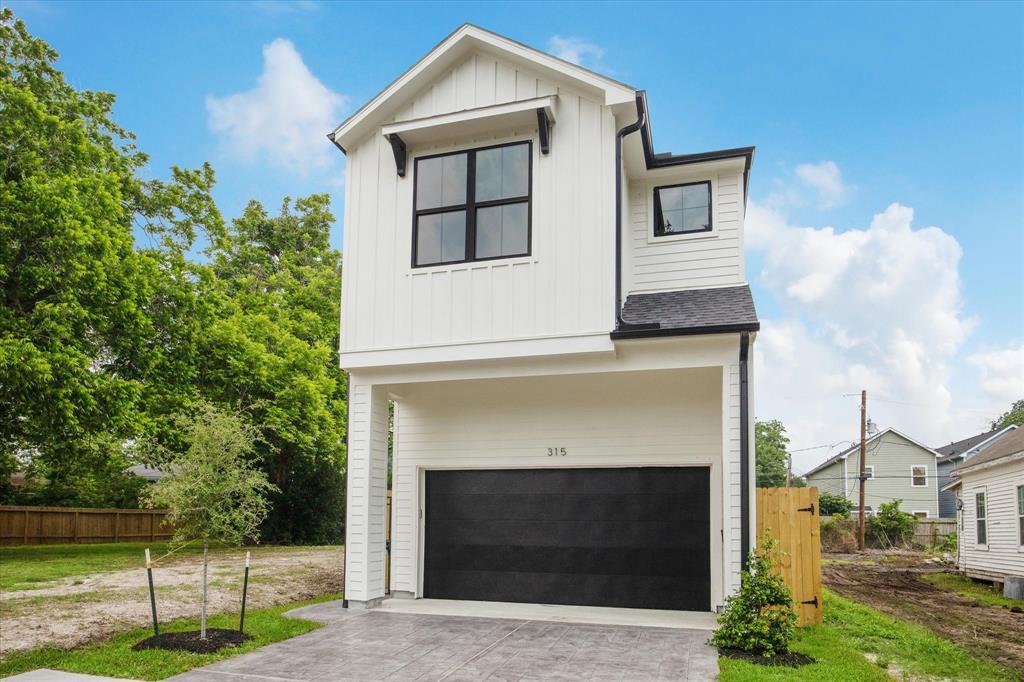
(1014, 415)
(215, 491)
(834, 505)
(272, 352)
(78, 340)
(772, 459)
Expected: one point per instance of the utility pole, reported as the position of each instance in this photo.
(863, 470)
(789, 469)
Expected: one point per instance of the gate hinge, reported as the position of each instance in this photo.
(807, 509)
(811, 601)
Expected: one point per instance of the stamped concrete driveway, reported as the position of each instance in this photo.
(378, 645)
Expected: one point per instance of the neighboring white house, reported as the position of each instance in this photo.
(956, 454)
(990, 494)
(566, 340)
(897, 467)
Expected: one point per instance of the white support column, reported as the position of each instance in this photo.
(732, 492)
(367, 493)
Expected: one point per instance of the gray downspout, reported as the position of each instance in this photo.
(744, 454)
(641, 118)
(344, 573)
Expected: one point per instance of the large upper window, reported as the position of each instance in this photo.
(472, 205)
(919, 476)
(682, 209)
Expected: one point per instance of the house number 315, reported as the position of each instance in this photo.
(556, 452)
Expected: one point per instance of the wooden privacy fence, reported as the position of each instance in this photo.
(790, 516)
(53, 525)
(931, 532)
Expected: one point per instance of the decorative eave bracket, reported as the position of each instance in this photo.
(398, 149)
(544, 129)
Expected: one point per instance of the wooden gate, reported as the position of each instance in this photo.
(791, 517)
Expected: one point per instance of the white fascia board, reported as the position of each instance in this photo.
(463, 39)
(473, 121)
(1008, 459)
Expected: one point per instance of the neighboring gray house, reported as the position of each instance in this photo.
(898, 467)
(991, 519)
(957, 454)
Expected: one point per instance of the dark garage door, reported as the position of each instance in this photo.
(634, 538)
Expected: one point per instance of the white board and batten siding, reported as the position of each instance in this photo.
(696, 261)
(1003, 554)
(563, 288)
(658, 418)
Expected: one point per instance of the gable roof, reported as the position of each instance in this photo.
(957, 449)
(1009, 445)
(446, 53)
(856, 447)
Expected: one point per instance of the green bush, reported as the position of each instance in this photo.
(890, 527)
(759, 618)
(834, 505)
(946, 545)
(838, 534)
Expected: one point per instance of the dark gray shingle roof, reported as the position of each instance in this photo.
(952, 450)
(694, 310)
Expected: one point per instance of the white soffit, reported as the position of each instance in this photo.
(471, 122)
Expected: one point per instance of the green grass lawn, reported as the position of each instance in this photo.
(981, 592)
(30, 567)
(115, 657)
(851, 630)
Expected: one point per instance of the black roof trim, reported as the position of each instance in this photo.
(667, 159)
(685, 331)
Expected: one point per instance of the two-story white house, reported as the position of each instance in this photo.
(561, 318)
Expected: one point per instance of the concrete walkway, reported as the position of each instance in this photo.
(385, 645)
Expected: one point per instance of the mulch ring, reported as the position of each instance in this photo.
(216, 639)
(790, 660)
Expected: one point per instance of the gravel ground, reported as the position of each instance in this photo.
(75, 611)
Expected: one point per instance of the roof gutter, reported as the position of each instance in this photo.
(641, 119)
(330, 136)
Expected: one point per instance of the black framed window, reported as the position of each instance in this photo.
(682, 209)
(472, 205)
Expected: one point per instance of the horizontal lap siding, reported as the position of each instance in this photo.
(1003, 556)
(657, 417)
(564, 288)
(659, 265)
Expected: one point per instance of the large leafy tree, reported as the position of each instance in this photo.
(1014, 415)
(770, 443)
(273, 353)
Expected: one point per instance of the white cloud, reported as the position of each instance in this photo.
(824, 177)
(575, 50)
(284, 119)
(878, 308)
(1002, 373)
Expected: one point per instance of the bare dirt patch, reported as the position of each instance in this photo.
(891, 583)
(73, 612)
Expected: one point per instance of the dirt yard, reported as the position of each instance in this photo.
(890, 582)
(70, 612)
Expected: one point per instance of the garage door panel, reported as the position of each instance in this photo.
(618, 534)
(589, 560)
(634, 537)
(570, 506)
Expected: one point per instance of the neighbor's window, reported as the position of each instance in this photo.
(921, 515)
(980, 518)
(869, 471)
(919, 476)
(472, 205)
(682, 209)
(1020, 515)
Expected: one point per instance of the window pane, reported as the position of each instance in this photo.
(503, 172)
(982, 533)
(441, 181)
(502, 230)
(979, 504)
(684, 209)
(441, 238)
(1020, 500)
(920, 475)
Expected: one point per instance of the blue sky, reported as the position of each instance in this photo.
(853, 108)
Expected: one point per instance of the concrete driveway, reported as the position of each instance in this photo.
(382, 645)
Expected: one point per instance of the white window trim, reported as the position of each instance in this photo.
(913, 476)
(1020, 532)
(869, 469)
(710, 234)
(926, 513)
(974, 501)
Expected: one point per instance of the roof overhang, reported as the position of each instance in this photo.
(463, 41)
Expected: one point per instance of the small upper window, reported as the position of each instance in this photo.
(869, 472)
(919, 476)
(1020, 515)
(682, 209)
(472, 205)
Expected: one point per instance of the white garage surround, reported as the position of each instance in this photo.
(667, 418)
